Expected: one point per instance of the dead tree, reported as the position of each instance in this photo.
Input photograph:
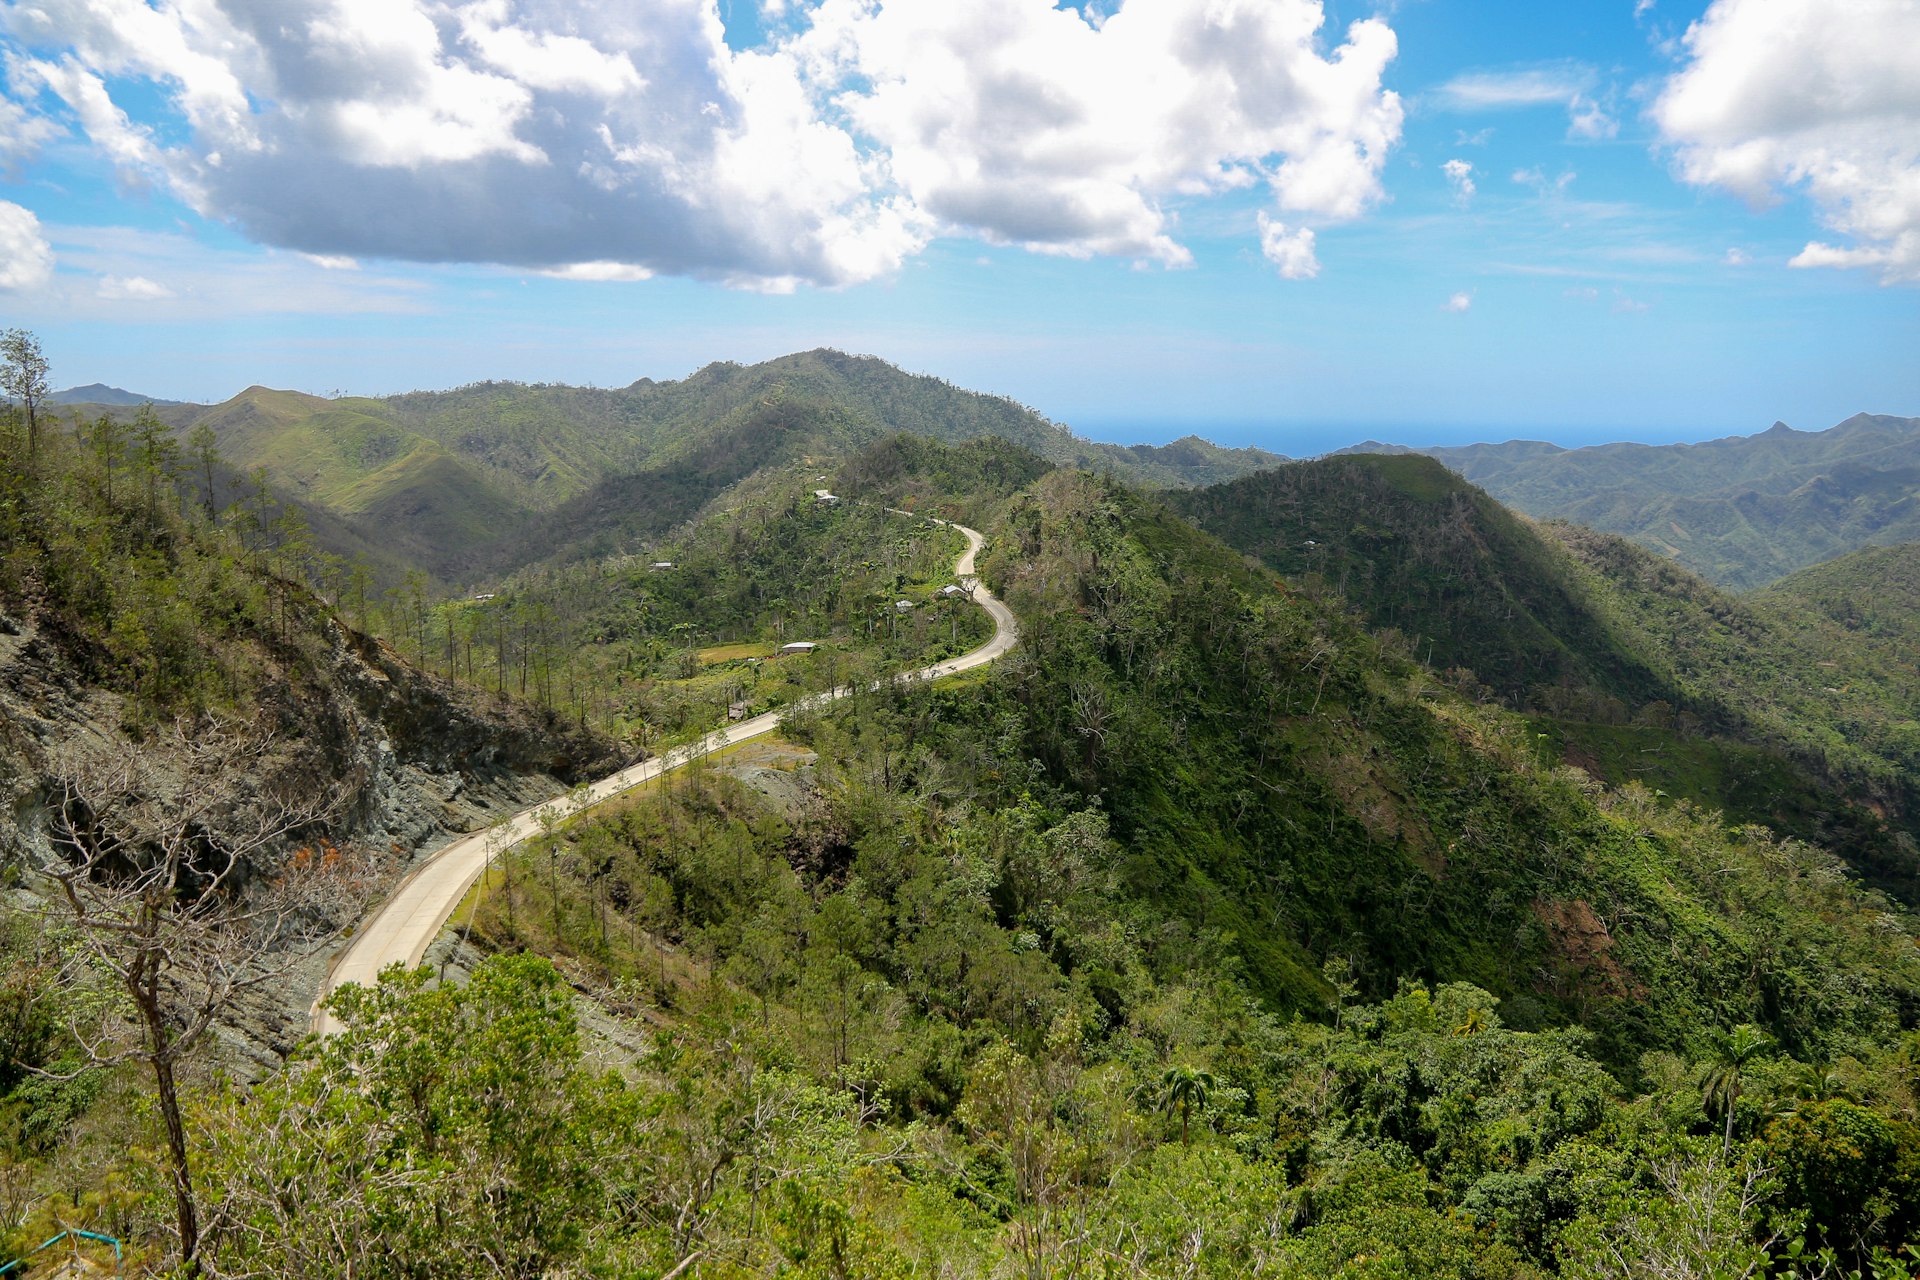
(175, 862)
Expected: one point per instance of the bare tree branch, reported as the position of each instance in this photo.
(173, 861)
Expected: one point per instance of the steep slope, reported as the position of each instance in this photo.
(1416, 549)
(1741, 511)
(1863, 612)
(352, 459)
(1633, 667)
(1280, 780)
(1873, 594)
(623, 512)
(117, 616)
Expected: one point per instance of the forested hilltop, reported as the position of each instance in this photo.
(1794, 707)
(491, 476)
(1248, 919)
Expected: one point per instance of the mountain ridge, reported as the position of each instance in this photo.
(1742, 511)
(101, 393)
(1636, 667)
(491, 475)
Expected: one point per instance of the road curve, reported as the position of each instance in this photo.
(403, 926)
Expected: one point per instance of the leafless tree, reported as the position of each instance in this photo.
(177, 863)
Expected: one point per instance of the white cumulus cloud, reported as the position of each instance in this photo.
(1814, 96)
(26, 259)
(1458, 302)
(1290, 250)
(1459, 174)
(618, 141)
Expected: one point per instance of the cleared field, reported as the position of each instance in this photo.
(734, 652)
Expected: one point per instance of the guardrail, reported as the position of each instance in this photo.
(51, 1241)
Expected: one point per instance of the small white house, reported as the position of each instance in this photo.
(904, 606)
(824, 498)
(482, 599)
(952, 592)
(658, 565)
(797, 647)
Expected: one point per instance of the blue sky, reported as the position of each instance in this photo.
(1458, 221)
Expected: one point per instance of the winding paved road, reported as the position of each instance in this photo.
(401, 929)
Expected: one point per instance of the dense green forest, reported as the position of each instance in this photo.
(980, 979)
(1769, 708)
(1227, 927)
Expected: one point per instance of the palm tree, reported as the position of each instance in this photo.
(1726, 1078)
(1188, 1089)
(1817, 1082)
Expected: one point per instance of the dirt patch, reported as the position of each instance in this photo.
(1381, 810)
(1583, 760)
(1583, 943)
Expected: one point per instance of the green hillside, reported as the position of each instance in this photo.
(1205, 909)
(487, 477)
(657, 647)
(1873, 594)
(1741, 511)
(1463, 581)
(1207, 934)
(1634, 668)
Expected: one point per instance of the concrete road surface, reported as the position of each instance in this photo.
(401, 929)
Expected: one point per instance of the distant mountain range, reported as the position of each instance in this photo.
(1741, 511)
(490, 476)
(101, 393)
(494, 475)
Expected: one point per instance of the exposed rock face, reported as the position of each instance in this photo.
(409, 757)
(408, 760)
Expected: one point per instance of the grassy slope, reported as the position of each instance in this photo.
(350, 458)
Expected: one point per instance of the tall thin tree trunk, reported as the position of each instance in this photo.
(181, 1171)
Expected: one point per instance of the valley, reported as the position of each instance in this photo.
(413, 916)
(761, 640)
(1173, 861)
